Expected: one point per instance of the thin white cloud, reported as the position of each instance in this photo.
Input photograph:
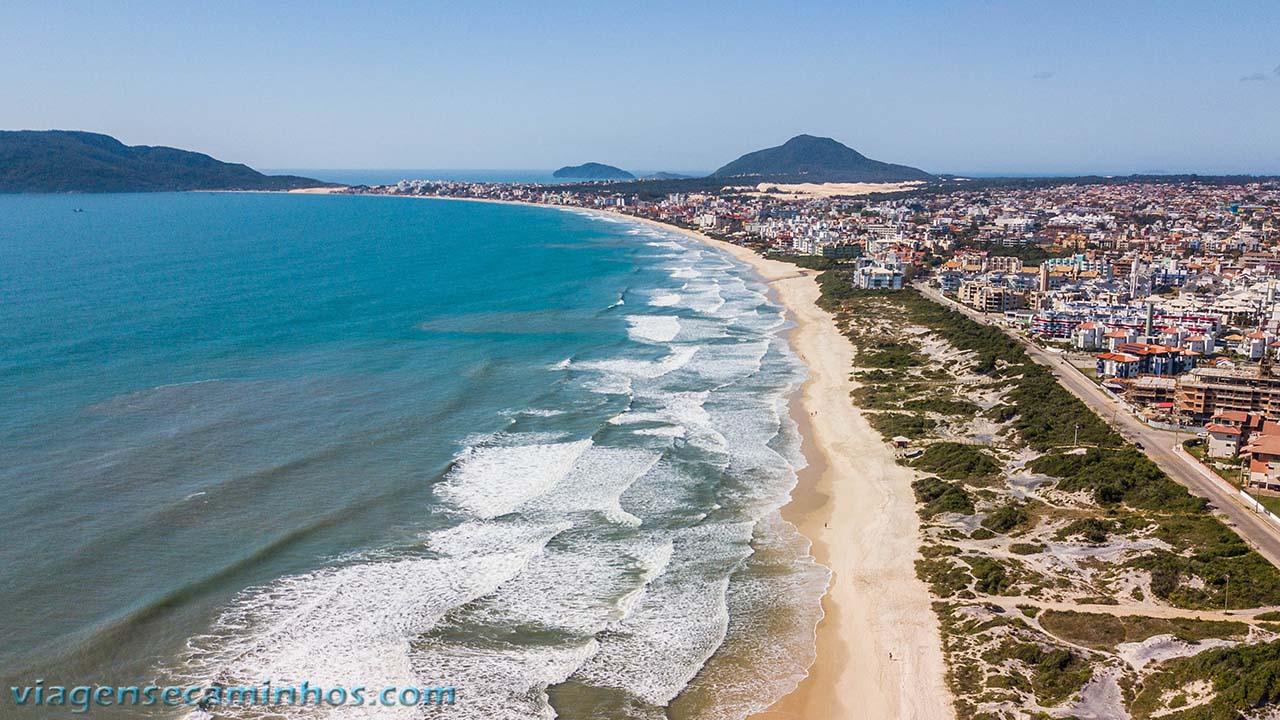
(1254, 77)
(1042, 75)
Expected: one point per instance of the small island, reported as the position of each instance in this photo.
(593, 171)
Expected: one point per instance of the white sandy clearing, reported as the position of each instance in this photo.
(800, 191)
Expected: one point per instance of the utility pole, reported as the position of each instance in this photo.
(1076, 443)
(1226, 592)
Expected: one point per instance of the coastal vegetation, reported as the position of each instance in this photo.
(1069, 571)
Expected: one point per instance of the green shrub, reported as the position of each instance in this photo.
(940, 496)
(989, 575)
(1006, 517)
(1118, 476)
(1245, 679)
(890, 355)
(956, 461)
(1092, 530)
(892, 424)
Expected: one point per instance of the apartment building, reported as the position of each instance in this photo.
(1206, 391)
(989, 298)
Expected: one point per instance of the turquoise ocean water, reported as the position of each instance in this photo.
(534, 454)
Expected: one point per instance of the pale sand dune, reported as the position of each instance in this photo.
(879, 649)
(317, 190)
(800, 191)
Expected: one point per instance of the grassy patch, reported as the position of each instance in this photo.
(1206, 580)
(1006, 518)
(1090, 530)
(892, 424)
(1104, 632)
(990, 576)
(940, 496)
(894, 355)
(955, 461)
(1118, 476)
(945, 578)
(1056, 673)
(1269, 502)
(1048, 415)
(942, 406)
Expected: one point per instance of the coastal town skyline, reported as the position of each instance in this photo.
(1142, 88)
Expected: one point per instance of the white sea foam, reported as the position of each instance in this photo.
(493, 481)
(653, 561)
(684, 273)
(704, 299)
(702, 329)
(724, 363)
(648, 369)
(538, 412)
(343, 625)
(672, 431)
(665, 243)
(664, 299)
(774, 608)
(653, 328)
(681, 414)
(682, 618)
(665, 492)
(609, 385)
(576, 588)
(596, 483)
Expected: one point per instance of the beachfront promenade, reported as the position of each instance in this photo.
(1159, 445)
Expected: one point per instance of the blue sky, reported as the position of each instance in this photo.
(1030, 87)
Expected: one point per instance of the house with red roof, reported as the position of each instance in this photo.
(1229, 430)
(1130, 360)
(1264, 459)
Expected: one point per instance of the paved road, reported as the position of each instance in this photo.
(1158, 444)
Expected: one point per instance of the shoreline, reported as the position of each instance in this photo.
(878, 643)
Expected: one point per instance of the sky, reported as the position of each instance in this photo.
(965, 87)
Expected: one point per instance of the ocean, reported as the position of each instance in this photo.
(534, 454)
(391, 177)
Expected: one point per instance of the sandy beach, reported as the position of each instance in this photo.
(879, 648)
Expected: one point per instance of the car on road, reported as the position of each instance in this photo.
(1139, 446)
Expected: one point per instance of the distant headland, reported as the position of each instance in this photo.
(593, 171)
(806, 158)
(71, 161)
